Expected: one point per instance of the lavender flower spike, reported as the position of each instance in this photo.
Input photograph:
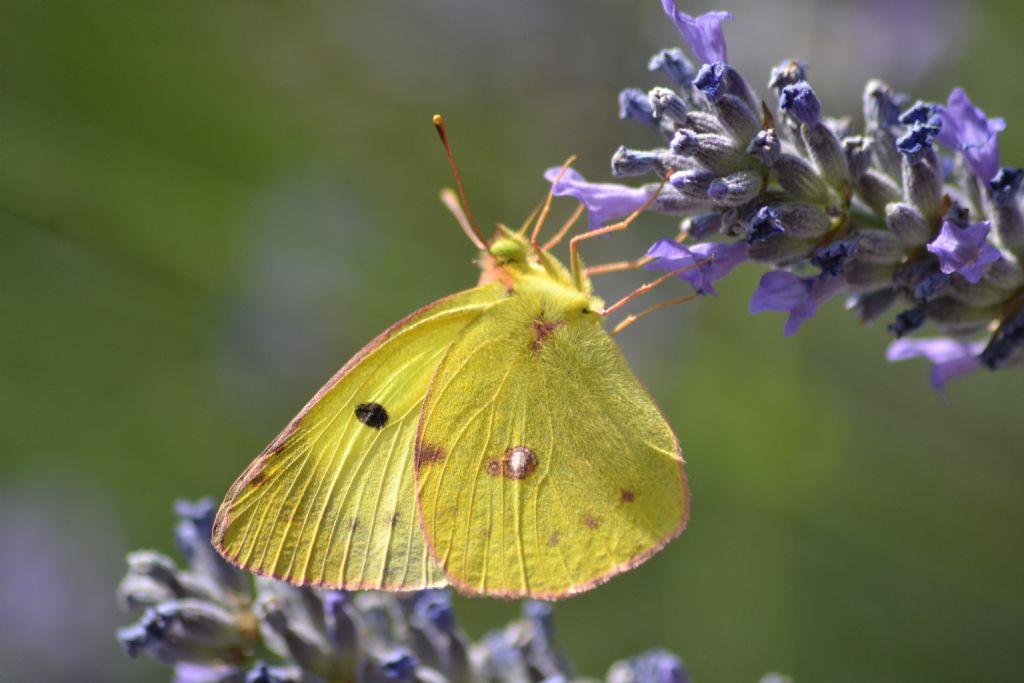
(950, 358)
(967, 129)
(780, 290)
(703, 33)
(604, 201)
(721, 259)
(964, 250)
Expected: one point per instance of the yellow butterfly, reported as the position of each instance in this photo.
(495, 440)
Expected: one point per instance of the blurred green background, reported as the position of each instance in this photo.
(206, 208)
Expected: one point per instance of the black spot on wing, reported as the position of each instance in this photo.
(372, 415)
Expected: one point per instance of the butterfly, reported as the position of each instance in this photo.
(495, 440)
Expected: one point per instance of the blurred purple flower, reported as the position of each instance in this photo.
(964, 250)
(703, 33)
(949, 357)
(722, 259)
(780, 290)
(967, 129)
(604, 201)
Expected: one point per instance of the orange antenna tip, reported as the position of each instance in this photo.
(472, 231)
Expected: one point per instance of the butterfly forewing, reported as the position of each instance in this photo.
(331, 501)
(543, 466)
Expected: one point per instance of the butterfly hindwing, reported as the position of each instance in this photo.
(543, 466)
(331, 501)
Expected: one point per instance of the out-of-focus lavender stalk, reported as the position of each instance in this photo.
(215, 624)
(912, 219)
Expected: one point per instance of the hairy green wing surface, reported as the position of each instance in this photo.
(543, 466)
(331, 501)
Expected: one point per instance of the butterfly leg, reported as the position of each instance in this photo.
(578, 274)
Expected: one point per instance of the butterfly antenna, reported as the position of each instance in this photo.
(464, 216)
(547, 203)
(529, 219)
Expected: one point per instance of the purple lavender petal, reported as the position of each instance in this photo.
(964, 250)
(779, 290)
(721, 259)
(966, 128)
(950, 358)
(703, 34)
(782, 291)
(604, 201)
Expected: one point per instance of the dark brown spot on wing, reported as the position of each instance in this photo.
(353, 524)
(590, 522)
(627, 496)
(493, 467)
(555, 539)
(542, 330)
(519, 462)
(258, 478)
(427, 453)
(372, 415)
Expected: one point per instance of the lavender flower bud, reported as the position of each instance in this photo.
(907, 223)
(917, 142)
(863, 276)
(700, 226)
(737, 119)
(879, 246)
(803, 220)
(871, 305)
(801, 103)
(710, 80)
(877, 190)
(264, 673)
(780, 249)
(692, 183)
(296, 639)
(735, 188)
(702, 122)
(674, 65)
(633, 104)
(666, 104)
(341, 623)
(827, 153)
(922, 184)
(184, 631)
(800, 179)
(653, 666)
(1005, 186)
(694, 197)
(857, 149)
(881, 114)
(716, 153)
(765, 146)
(1005, 275)
(764, 224)
(789, 72)
(907, 321)
(1007, 218)
(955, 317)
(635, 162)
(192, 535)
(1005, 342)
(832, 258)
(975, 295)
(931, 287)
